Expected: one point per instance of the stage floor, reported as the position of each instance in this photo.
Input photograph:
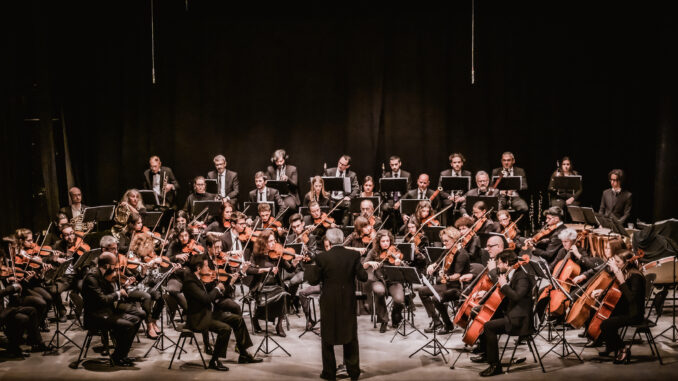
(380, 360)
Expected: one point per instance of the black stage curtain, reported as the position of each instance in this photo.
(583, 80)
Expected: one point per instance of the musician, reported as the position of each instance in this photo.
(318, 193)
(342, 170)
(504, 220)
(464, 224)
(482, 189)
(200, 315)
(418, 238)
(548, 247)
(222, 224)
(297, 235)
(630, 308)
(228, 186)
(18, 319)
(612, 246)
(199, 194)
(564, 197)
(226, 301)
(182, 248)
(616, 202)
(489, 226)
(135, 224)
(516, 285)
(315, 217)
(55, 234)
(338, 270)
(395, 164)
(33, 293)
(423, 215)
(262, 193)
(99, 296)
(457, 161)
(310, 243)
(363, 233)
(265, 221)
(375, 259)
(281, 171)
(156, 176)
(70, 279)
(231, 239)
(267, 286)
(368, 187)
(511, 198)
(422, 192)
(457, 274)
(75, 207)
(367, 211)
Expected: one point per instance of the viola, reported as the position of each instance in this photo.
(367, 238)
(164, 263)
(79, 248)
(28, 260)
(6, 271)
(511, 232)
(226, 224)
(431, 222)
(391, 254)
(35, 249)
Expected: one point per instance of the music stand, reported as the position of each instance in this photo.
(151, 218)
(434, 253)
(407, 276)
(433, 233)
(393, 184)
(303, 210)
(582, 215)
(491, 202)
(435, 344)
(86, 258)
(294, 246)
(509, 183)
(149, 197)
(355, 203)
(282, 186)
(213, 207)
(251, 209)
(455, 183)
(101, 213)
(211, 186)
(337, 184)
(408, 205)
(407, 249)
(611, 223)
(567, 183)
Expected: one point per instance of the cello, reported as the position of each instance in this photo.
(482, 283)
(566, 269)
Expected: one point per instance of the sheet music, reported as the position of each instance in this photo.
(430, 287)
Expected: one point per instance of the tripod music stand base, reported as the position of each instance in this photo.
(59, 346)
(672, 330)
(403, 325)
(437, 347)
(266, 350)
(159, 344)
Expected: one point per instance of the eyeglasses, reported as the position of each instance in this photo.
(491, 246)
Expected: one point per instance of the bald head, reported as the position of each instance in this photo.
(75, 194)
(422, 181)
(495, 245)
(106, 258)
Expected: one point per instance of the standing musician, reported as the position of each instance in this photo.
(548, 247)
(457, 274)
(75, 207)
(318, 193)
(262, 193)
(228, 186)
(161, 180)
(342, 170)
(99, 295)
(482, 189)
(489, 226)
(368, 187)
(511, 197)
(281, 171)
(384, 252)
(564, 197)
(199, 194)
(516, 285)
(616, 202)
(629, 309)
(201, 316)
(338, 270)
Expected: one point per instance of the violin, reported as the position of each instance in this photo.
(540, 235)
(27, 259)
(18, 274)
(79, 248)
(278, 251)
(248, 233)
(226, 224)
(391, 254)
(192, 248)
(35, 249)
(164, 263)
(324, 220)
(510, 233)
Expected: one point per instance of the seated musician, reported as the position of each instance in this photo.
(367, 211)
(612, 246)
(318, 193)
(281, 171)
(564, 197)
(418, 238)
(135, 224)
(34, 292)
(157, 176)
(514, 315)
(548, 247)
(222, 224)
(456, 275)
(361, 237)
(316, 218)
(482, 189)
(310, 243)
(630, 308)
(298, 233)
(504, 220)
(342, 170)
(464, 225)
(262, 193)
(422, 192)
(375, 259)
(231, 239)
(75, 207)
(511, 199)
(266, 221)
(132, 199)
(201, 317)
(17, 319)
(457, 161)
(199, 194)
(391, 204)
(55, 234)
(423, 215)
(368, 187)
(99, 295)
(67, 252)
(228, 186)
(489, 226)
(616, 202)
(181, 249)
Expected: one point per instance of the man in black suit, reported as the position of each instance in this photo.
(342, 170)
(228, 186)
(99, 296)
(616, 202)
(549, 246)
(17, 319)
(262, 193)
(391, 204)
(200, 315)
(511, 197)
(156, 175)
(516, 285)
(338, 270)
(281, 171)
(199, 194)
(457, 161)
(482, 189)
(422, 192)
(76, 206)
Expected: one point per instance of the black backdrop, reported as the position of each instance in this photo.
(596, 84)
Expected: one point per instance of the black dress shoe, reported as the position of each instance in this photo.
(478, 350)
(480, 358)
(582, 334)
(248, 359)
(594, 343)
(325, 376)
(279, 329)
(129, 359)
(208, 350)
(39, 348)
(383, 327)
(310, 324)
(492, 370)
(436, 325)
(446, 330)
(122, 362)
(217, 365)
(256, 327)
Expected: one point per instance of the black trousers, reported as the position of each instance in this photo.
(123, 327)
(493, 329)
(222, 324)
(609, 330)
(351, 359)
(447, 294)
(18, 321)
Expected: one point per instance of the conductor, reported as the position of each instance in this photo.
(337, 270)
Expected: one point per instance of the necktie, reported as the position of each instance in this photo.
(261, 197)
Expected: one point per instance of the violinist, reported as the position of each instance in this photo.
(223, 224)
(99, 296)
(459, 272)
(473, 247)
(228, 186)
(267, 282)
(134, 225)
(418, 238)
(318, 193)
(299, 234)
(367, 211)
(319, 218)
(489, 226)
(296, 277)
(423, 215)
(564, 197)
(67, 251)
(234, 240)
(342, 170)
(199, 194)
(384, 252)
(482, 189)
(368, 187)
(262, 193)
(180, 251)
(630, 308)
(549, 245)
(265, 221)
(511, 197)
(361, 236)
(509, 230)
(55, 234)
(33, 294)
(161, 180)
(513, 317)
(280, 170)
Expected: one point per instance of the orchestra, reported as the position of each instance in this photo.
(211, 266)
